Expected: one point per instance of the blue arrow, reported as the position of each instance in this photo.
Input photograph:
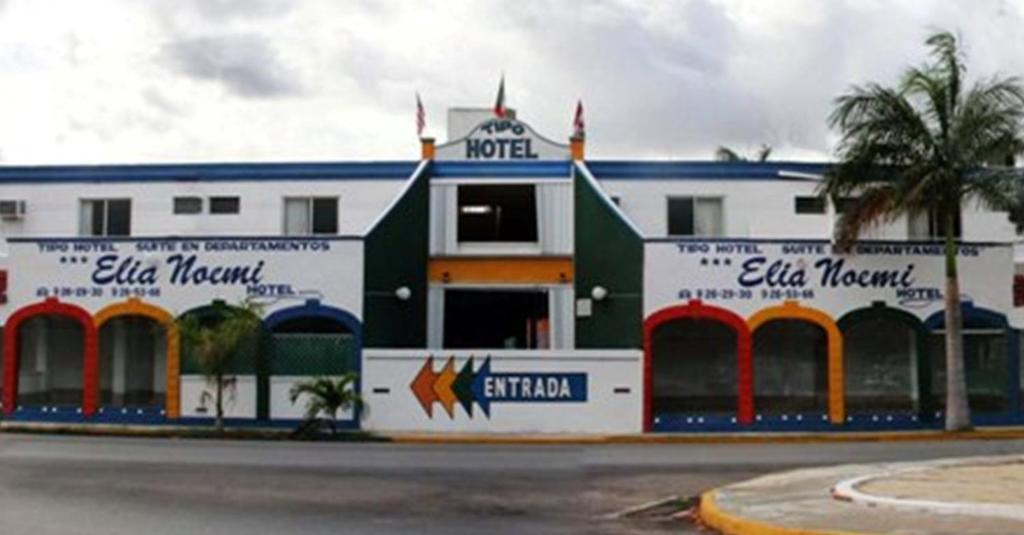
(479, 380)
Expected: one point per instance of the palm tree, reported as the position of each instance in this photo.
(214, 345)
(328, 395)
(922, 148)
(725, 154)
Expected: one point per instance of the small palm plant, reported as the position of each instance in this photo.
(726, 154)
(328, 395)
(214, 344)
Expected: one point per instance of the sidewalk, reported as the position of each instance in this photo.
(972, 496)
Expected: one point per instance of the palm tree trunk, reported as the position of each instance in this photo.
(958, 412)
(219, 423)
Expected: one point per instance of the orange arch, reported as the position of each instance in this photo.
(793, 310)
(134, 307)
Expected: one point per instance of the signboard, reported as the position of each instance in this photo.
(181, 273)
(502, 139)
(485, 387)
(748, 275)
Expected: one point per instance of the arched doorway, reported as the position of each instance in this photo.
(307, 341)
(697, 362)
(798, 362)
(990, 353)
(50, 357)
(885, 354)
(139, 357)
(240, 396)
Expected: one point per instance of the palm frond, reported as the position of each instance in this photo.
(725, 154)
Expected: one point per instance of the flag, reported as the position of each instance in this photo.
(499, 103)
(578, 126)
(421, 116)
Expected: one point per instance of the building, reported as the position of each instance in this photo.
(501, 283)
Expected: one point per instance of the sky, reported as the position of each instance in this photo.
(137, 81)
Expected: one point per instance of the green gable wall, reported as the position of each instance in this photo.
(396, 253)
(609, 254)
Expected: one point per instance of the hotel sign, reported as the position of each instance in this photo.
(746, 275)
(503, 140)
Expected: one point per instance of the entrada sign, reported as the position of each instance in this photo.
(485, 387)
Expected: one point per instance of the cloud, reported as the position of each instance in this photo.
(245, 65)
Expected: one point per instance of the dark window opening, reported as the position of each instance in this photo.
(325, 215)
(880, 357)
(809, 205)
(790, 367)
(680, 216)
(845, 204)
(986, 366)
(133, 362)
(225, 205)
(106, 217)
(506, 213)
(496, 319)
(188, 205)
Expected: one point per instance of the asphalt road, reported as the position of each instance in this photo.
(112, 486)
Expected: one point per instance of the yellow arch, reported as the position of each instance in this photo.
(134, 307)
(793, 310)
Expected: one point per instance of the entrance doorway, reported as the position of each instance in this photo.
(496, 319)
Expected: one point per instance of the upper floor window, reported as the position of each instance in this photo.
(225, 205)
(809, 205)
(497, 213)
(695, 216)
(929, 226)
(188, 205)
(304, 216)
(105, 217)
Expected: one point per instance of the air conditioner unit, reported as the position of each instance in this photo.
(12, 209)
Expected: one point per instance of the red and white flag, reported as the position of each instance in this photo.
(578, 126)
(499, 103)
(421, 116)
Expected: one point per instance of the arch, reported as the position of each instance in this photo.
(924, 377)
(55, 307)
(975, 317)
(696, 309)
(135, 307)
(312, 308)
(793, 310)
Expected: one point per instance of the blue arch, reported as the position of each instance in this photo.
(971, 314)
(989, 318)
(313, 308)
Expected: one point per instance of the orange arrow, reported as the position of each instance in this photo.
(423, 387)
(443, 387)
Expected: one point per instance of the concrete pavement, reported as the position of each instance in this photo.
(966, 496)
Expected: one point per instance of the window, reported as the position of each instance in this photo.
(500, 213)
(188, 205)
(844, 204)
(225, 205)
(310, 215)
(105, 217)
(695, 216)
(809, 205)
(496, 319)
(928, 226)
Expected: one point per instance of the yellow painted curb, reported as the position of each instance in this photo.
(730, 524)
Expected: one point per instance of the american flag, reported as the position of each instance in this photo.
(499, 103)
(421, 116)
(578, 126)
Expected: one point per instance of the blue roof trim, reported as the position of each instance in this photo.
(504, 168)
(668, 170)
(209, 172)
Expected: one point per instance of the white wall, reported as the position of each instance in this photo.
(241, 405)
(52, 209)
(765, 209)
(604, 411)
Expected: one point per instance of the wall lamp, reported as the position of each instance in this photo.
(403, 293)
(599, 293)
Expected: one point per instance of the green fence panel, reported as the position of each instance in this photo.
(312, 354)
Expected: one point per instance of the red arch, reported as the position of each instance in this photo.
(696, 309)
(90, 364)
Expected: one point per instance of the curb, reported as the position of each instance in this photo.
(730, 524)
(847, 490)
